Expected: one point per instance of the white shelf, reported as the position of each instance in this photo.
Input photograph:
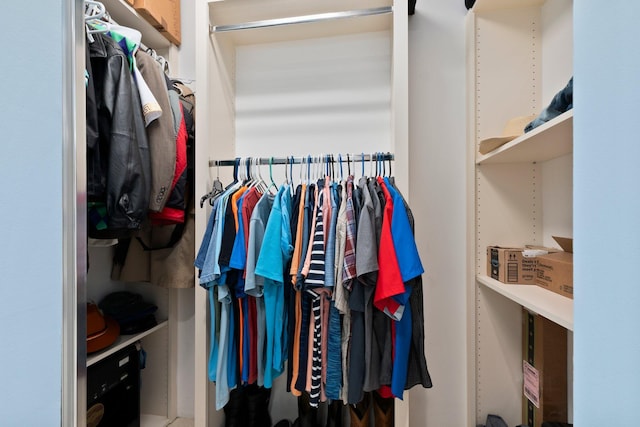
(554, 307)
(124, 14)
(548, 141)
(489, 5)
(147, 420)
(122, 342)
(234, 12)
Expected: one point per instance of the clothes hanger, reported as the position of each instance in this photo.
(333, 168)
(286, 173)
(94, 12)
(216, 190)
(372, 165)
(384, 165)
(325, 163)
(340, 162)
(272, 184)
(302, 161)
(260, 185)
(247, 169)
(291, 170)
(236, 165)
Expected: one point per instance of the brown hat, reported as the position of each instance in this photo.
(102, 331)
(513, 129)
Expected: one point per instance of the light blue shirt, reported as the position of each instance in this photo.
(222, 387)
(275, 251)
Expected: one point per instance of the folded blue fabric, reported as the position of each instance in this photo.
(561, 102)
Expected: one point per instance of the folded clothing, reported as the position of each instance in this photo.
(133, 314)
(561, 102)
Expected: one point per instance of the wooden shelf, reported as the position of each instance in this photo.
(124, 14)
(123, 341)
(554, 307)
(548, 141)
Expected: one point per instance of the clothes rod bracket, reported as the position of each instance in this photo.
(305, 19)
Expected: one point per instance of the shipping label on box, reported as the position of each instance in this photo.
(508, 265)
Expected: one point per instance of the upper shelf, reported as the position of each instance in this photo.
(489, 5)
(235, 12)
(548, 141)
(124, 14)
(554, 307)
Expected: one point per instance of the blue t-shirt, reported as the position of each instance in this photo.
(206, 239)
(276, 247)
(403, 240)
(274, 254)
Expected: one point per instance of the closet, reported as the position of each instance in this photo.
(158, 390)
(519, 55)
(282, 78)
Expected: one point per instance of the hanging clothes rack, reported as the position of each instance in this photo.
(304, 19)
(304, 159)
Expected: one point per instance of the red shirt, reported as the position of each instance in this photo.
(389, 281)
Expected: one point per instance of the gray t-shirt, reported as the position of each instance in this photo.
(254, 284)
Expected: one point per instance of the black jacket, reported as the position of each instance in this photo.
(118, 166)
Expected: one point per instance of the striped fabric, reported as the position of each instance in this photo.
(349, 266)
(316, 275)
(316, 364)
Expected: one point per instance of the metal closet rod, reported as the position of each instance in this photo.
(304, 19)
(304, 159)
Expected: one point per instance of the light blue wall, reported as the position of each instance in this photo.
(31, 213)
(607, 213)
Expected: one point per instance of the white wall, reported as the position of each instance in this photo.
(606, 213)
(31, 216)
(292, 99)
(437, 133)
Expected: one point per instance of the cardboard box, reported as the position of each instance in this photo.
(164, 15)
(544, 347)
(131, 2)
(555, 270)
(508, 265)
